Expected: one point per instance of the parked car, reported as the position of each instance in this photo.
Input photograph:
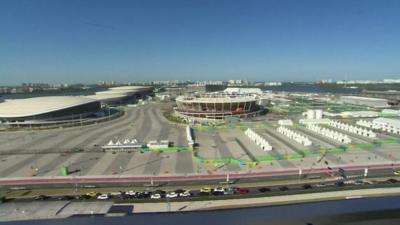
(3, 199)
(321, 185)
(82, 197)
(118, 193)
(218, 191)
(41, 197)
(242, 190)
(147, 194)
(229, 191)
(155, 196)
(161, 192)
(179, 191)
(185, 194)
(339, 183)
(124, 196)
(368, 181)
(103, 197)
(172, 194)
(283, 188)
(264, 189)
(131, 193)
(392, 181)
(358, 182)
(65, 197)
(205, 190)
(92, 194)
(307, 186)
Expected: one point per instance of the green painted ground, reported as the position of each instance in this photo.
(296, 156)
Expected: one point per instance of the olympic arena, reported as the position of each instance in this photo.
(50, 109)
(217, 106)
(55, 111)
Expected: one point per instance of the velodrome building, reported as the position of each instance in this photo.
(53, 110)
(121, 95)
(47, 109)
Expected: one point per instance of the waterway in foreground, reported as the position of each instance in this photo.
(380, 210)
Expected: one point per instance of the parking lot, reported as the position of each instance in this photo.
(144, 123)
(228, 150)
(43, 153)
(233, 143)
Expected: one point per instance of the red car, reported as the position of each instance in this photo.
(242, 190)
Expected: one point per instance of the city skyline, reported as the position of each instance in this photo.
(136, 41)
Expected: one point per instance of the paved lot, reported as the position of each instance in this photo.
(44, 153)
(23, 210)
(144, 123)
(50, 209)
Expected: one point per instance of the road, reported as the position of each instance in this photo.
(375, 170)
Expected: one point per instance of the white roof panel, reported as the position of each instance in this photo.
(131, 88)
(39, 105)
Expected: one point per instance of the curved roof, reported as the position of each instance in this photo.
(116, 92)
(214, 99)
(107, 96)
(131, 88)
(40, 105)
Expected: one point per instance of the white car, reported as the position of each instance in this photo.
(172, 194)
(131, 193)
(219, 189)
(155, 196)
(116, 193)
(320, 185)
(185, 194)
(102, 197)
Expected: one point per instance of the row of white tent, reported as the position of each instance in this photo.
(127, 143)
(353, 129)
(343, 138)
(294, 136)
(260, 141)
(189, 136)
(385, 124)
(364, 123)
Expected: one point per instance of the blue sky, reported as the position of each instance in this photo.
(86, 41)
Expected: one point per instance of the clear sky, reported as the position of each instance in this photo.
(86, 41)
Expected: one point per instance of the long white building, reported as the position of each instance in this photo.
(371, 102)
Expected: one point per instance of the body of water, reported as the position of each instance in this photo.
(312, 88)
(354, 211)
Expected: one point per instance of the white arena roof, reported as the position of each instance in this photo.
(107, 96)
(233, 90)
(40, 105)
(131, 88)
(116, 92)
